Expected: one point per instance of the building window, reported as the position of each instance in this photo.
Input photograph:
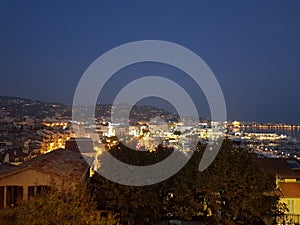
(42, 189)
(37, 190)
(1, 197)
(13, 195)
(30, 192)
(291, 206)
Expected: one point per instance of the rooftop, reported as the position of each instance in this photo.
(280, 166)
(6, 168)
(290, 190)
(63, 163)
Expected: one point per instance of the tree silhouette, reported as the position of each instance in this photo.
(233, 190)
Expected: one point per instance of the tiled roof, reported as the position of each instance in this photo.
(290, 190)
(6, 168)
(63, 163)
(278, 166)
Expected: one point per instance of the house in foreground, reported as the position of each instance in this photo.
(60, 167)
(287, 174)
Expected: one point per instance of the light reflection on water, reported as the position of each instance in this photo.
(294, 133)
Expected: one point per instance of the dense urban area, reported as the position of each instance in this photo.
(254, 179)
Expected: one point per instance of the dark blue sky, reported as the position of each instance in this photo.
(253, 47)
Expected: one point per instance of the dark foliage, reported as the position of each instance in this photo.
(233, 190)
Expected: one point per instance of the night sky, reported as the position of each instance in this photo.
(253, 48)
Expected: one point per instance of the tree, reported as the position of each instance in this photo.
(238, 191)
(65, 207)
(233, 190)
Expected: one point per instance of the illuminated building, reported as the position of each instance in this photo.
(287, 173)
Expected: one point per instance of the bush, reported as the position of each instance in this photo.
(55, 207)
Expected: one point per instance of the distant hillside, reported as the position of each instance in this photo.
(137, 113)
(20, 107)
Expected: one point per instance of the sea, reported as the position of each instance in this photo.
(293, 133)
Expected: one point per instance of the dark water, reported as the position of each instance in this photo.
(294, 133)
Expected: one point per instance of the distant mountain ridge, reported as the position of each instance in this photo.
(20, 107)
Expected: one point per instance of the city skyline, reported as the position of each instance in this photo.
(252, 48)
